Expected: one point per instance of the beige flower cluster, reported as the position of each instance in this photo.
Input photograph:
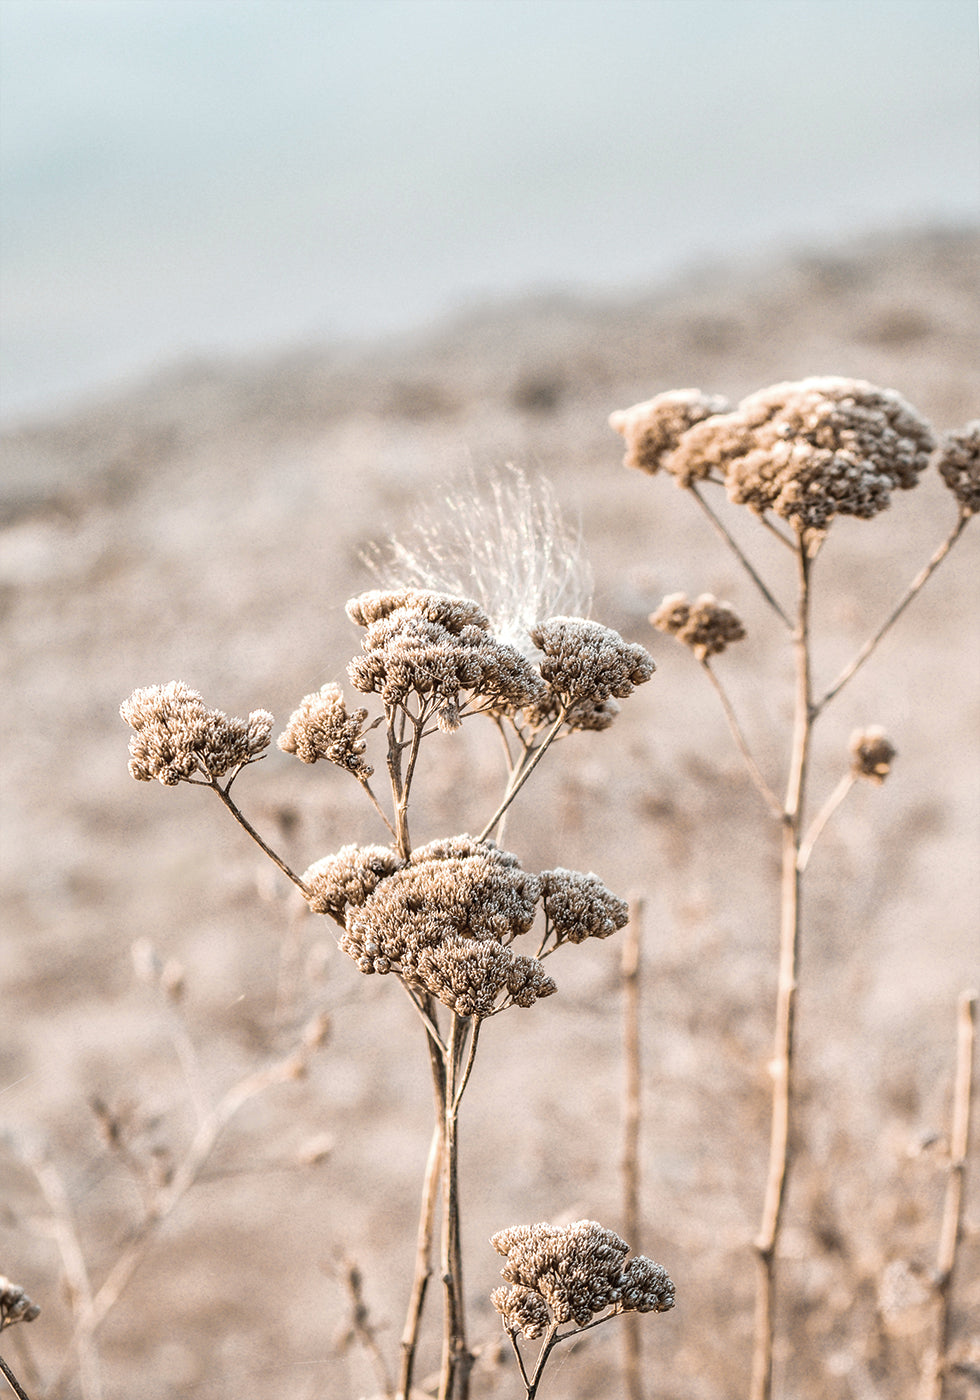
(706, 626)
(872, 754)
(322, 728)
(439, 650)
(445, 918)
(585, 665)
(807, 451)
(177, 736)
(958, 461)
(570, 1274)
(653, 429)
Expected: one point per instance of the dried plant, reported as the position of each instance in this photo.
(797, 455)
(443, 919)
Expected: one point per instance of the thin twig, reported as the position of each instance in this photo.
(423, 1263)
(755, 772)
(630, 975)
(523, 772)
(243, 821)
(12, 1381)
(828, 809)
(937, 1363)
(921, 578)
(360, 1323)
(736, 548)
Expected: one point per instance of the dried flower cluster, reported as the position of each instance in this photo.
(322, 728)
(958, 462)
(15, 1306)
(570, 1274)
(706, 626)
(807, 451)
(653, 429)
(177, 736)
(438, 650)
(445, 918)
(872, 753)
(584, 666)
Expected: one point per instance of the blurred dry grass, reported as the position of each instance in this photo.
(209, 527)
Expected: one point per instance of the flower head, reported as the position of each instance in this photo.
(872, 753)
(177, 736)
(653, 429)
(958, 463)
(580, 906)
(348, 877)
(585, 664)
(706, 626)
(15, 1306)
(322, 728)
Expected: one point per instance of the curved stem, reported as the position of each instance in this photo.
(782, 1065)
(739, 553)
(921, 578)
(755, 773)
(243, 821)
(522, 772)
(816, 827)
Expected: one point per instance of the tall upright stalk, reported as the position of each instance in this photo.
(781, 1068)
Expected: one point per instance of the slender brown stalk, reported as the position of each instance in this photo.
(915, 587)
(630, 972)
(243, 821)
(457, 1359)
(12, 1381)
(755, 772)
(521, 774)
(767, 1240)
(739, 553)
(823, 817)
(937, 1363)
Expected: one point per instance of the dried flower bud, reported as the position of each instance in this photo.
(322, 728)
(958, 463)
(348, 877)
(15, 1306)
(706, 626)
(585, 664)
(177, 736)
(871, 754)
(449, 611)
(468, 975)
(653, 429)
(580, 906)
(578, 1271)
(522, 1310)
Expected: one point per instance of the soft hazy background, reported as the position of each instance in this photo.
(182, 177)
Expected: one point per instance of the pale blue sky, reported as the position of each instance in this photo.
(185, 177)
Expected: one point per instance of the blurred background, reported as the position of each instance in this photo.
(188, 177)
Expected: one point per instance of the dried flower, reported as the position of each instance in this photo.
(439, 650)
(348, 877)
(15, 1306)
(468, 975)
(580, 906)
(177, 736)
(522, 1310)
(871, 754)
(322, 728)
(579, 1270)
(706, 626)
(653, 429)
(958, 463)
(584, 665)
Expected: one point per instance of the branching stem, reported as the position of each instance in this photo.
(739, 553)
(243, 821)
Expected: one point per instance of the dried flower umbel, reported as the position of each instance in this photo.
(797, 455)
(573, 1274)
(443, 919)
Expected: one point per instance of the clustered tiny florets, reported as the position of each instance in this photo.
(958, 463)
(585, 665)
(706, 626)
(653, 429)
(807, 451)
(445, 919)
(15, 1306)
(576, 1271)
(439, 650)
(322, 727)
(872, 754)
(177, 736)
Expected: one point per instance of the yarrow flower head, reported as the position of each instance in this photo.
(177, 736)
(579, 906)
(872, 754)
(585, 667)
(322, 728)
(653, 429)
(438, 650)
(808, 451)
(577, 1271)
(706, 626)
(958, 463)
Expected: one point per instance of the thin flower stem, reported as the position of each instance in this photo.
(937, 1363)
(523, 772)
(739, 553)
(457, 1359)
(520, 1362)
(243, 821)
(921, 578)
(551, 1340)
(755, 773)
(377, 806)
(464, 1078)
(630, 968)
(12, 1381)
(782, 1065)
(828, 809)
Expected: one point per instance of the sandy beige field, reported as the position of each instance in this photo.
(209, 526)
